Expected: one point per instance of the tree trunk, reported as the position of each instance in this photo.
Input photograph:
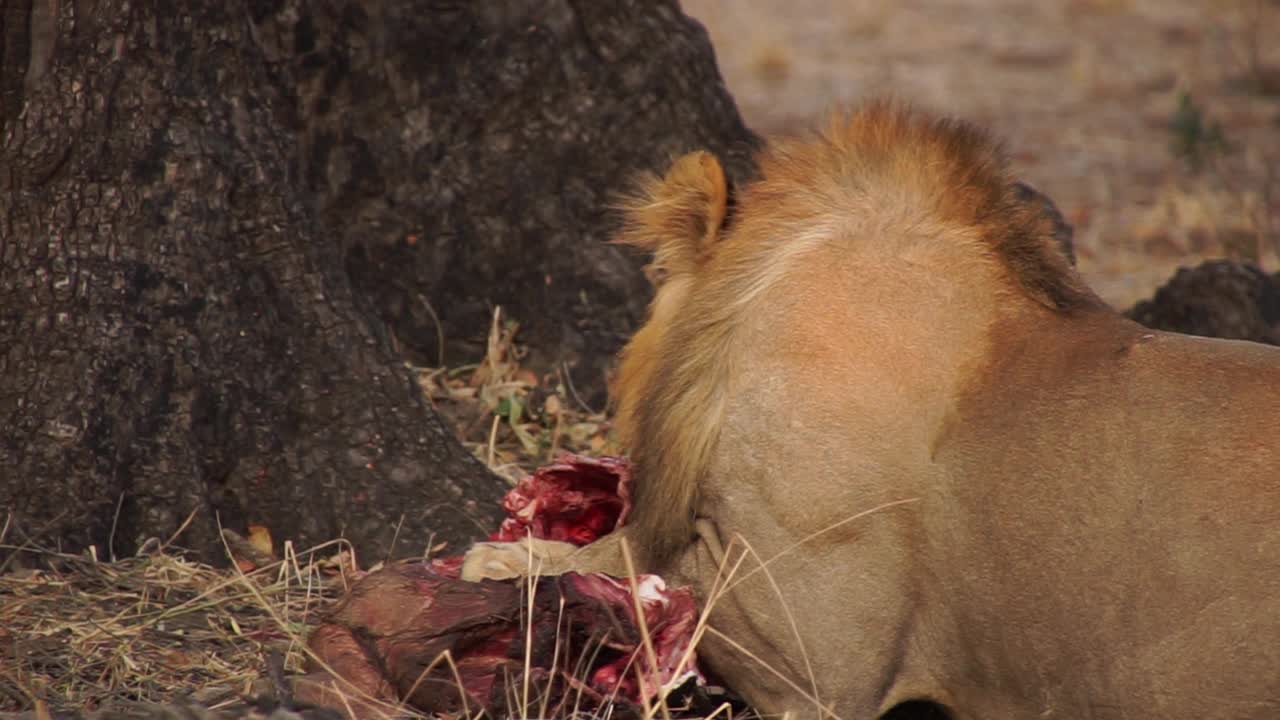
(468, 154)
(187, 191)
(178, 333)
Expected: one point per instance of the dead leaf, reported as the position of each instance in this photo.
(553, 406)
(260, 539)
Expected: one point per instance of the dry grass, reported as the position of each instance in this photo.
(80, 634)
(509, 417)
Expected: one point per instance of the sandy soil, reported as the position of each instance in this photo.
(1084, 92)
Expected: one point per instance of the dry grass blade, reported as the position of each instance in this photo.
(646, 638)
(818, 533)
(727, 580)
(347, 692)
(738, 647)
(81, 634)
(791, 624)
(507, 416)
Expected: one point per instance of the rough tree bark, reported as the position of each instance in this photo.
(178, 334)
(496, 135)
(186, 192)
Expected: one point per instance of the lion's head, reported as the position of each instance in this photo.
(881, 173)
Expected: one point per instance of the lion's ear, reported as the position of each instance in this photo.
(678, 217)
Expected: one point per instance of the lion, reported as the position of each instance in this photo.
(940, 474)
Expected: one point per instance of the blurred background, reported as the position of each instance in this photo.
(1153, 124)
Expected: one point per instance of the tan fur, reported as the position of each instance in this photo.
(679, 219)
(1079, 516)
(943, 173)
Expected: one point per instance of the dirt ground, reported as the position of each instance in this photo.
(1085, 92)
